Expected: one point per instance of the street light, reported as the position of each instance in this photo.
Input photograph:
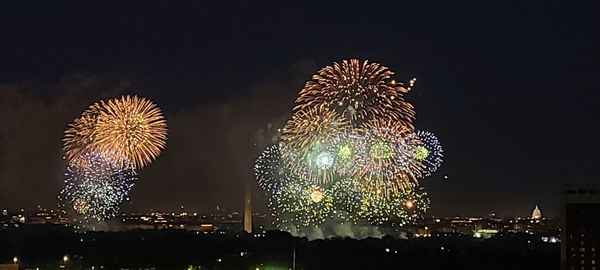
(15, 260)
(65, 259)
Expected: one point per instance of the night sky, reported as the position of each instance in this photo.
(510, 88)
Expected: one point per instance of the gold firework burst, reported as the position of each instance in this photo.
(79, 137)
(308, 127)
(132, 129)
(358, 90)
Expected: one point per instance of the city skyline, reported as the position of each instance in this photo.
(506, 115)
(183, 209)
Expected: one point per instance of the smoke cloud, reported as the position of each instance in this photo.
(210, 149)
(337, 229)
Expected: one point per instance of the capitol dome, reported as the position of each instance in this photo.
(537, 213)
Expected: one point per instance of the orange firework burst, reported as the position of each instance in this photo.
(358, 90)
(309, 126)
(132, 129)
(79, 137)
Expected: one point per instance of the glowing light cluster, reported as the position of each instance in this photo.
(95, 191)
(349, 152)
(104, 147)
(429, 152)
(324, 160)
(294, 201)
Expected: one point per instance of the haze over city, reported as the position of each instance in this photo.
(508, 89)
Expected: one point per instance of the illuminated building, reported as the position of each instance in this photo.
(537, 213)
(216, 222)
(580, 211)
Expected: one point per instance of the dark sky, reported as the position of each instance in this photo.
(510, 88)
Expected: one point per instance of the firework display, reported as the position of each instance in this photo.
(309, 141)
(302, 203)
(429, 152)
(78, 137)
(349, 152)
(132, 129)
(358, 91)
(387, 160)
(96, 190)
(104, 148)
(404, 207)
(269, 171)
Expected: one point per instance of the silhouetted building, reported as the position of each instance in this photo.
(580, 212)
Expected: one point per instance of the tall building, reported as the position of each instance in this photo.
(580, 211)
(537, 213)
(248, 210)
